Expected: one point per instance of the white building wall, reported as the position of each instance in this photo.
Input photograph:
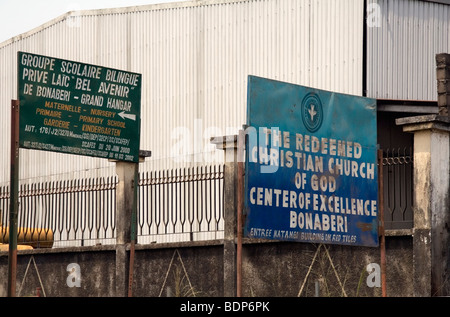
(401, 49)
(195, 58)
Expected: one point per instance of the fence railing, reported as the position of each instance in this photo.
(63, 213)
(398, 188)
(181, 205)
(174, 205)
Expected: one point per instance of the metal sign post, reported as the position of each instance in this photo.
(381, 225)
(240, 206)
(14, 200)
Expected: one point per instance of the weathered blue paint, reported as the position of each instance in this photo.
(77, 108)
(314, 177)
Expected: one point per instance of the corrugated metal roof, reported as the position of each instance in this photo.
(195, 58)
(401, 51)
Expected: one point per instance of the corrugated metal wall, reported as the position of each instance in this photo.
(401, 50)
(195, 58)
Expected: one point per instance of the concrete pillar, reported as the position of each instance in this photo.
(229, 145)
(443, 83)
(431, 248)
(126, 191)
(126, 218)
(431, 203)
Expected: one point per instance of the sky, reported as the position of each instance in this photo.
(20, 16)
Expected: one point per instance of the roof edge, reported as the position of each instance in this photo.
(119, 10)
(131, 9)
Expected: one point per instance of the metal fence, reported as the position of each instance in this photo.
(63, 213)
(174, 205)
(398, 188)
(181, 205)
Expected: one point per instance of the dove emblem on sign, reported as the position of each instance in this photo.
(312, 112)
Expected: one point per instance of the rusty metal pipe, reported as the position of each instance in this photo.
(14, 199)
(381, 223)
(240, 193)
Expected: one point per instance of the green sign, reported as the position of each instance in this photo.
(77, 108)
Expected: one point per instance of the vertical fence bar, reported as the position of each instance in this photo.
(398, 191)
(4, 197)
(190, 206)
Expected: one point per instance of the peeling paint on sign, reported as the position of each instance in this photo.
(311, 165)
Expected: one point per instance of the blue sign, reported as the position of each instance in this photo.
(311, 165)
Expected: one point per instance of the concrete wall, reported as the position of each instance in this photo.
(270, 269)
(280, 269)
